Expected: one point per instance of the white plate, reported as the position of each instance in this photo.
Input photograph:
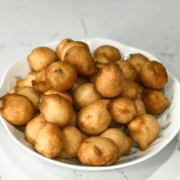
(169, 120)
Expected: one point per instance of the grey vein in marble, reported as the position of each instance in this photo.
(123, 173)
(84, 27)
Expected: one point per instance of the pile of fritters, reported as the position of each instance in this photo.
(73, 102)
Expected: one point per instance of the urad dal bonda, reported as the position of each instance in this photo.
(81, 58)
(88, 102)
(94, 118)
(129, 71)
(49, 140)
(123, 142)
(85, 94)
(61, 75)
(71, 44)
(153, 75)
(17, 109)
(56, 109)
(72, 139)
(60, 47)
(109, 81)
(123, 110)
(40, 57)
(144, 129)
(130, 90)
(155, 101)
(138, 60)
(98, 151)
(30, 93)
(33, 127)
(112, 52)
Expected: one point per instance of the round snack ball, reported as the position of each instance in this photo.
(130, 90)
(33, 127)
(49, 140)
(129, 70)
(123, 142)
(17, 109)
(61, 75)
(98, 151)
(72, 139)
(112, 52)
(144, 129)
(153, 75)
(61, 45)
(138, 60)
(40, 57)
(123, 110)
(94, 118)
(56, 109)
(109, 81)
(71, 44)
(155, 101)
(30, 93)
(85, 94)
(81, 58)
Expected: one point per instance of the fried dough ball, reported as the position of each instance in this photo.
(123, 143)
(154, 101)
(81, 58)
(112, 52)
(28, 80)
(73, 138)
(153, 75)
(40, 84)
(98, 151)
(144, 129)
(40, 57)
(94, 118)
(70, 45)
(123, 110)
(61, 93)
(60, 47)
(56, 109)
(130, 90)
(140, 106)
(49, 140)
(33, 127)
(129, 70)
(138, 60)
(17, 109)
(109, 81)
(78, 82)
(102, 58)
(84, 95)
(30, 93)
(61, 75)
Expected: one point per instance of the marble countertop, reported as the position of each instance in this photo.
(151, 25)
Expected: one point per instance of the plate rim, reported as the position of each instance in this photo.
(92, 168)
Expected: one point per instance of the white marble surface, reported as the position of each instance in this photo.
(152, 25)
